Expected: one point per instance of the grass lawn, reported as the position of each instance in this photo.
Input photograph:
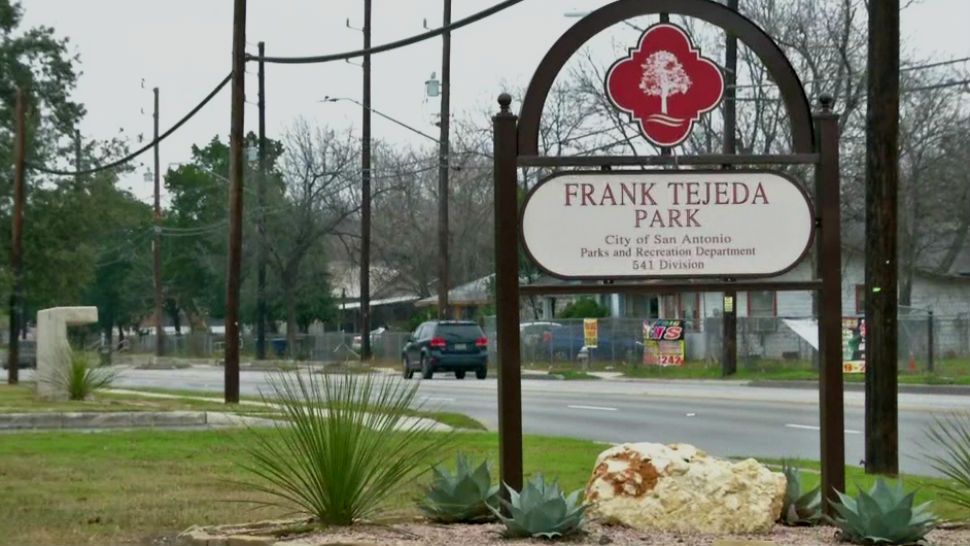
(946, 372)
(133, 487)
(856, 477)
(130, 487)
(21, 399)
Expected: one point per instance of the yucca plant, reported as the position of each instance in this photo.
(541, 510)
(950, 436)
(80, 378)
(798, 508)
(345, 445)
(463, 496)
(883, 515)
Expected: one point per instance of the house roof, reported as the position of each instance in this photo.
(474, 292)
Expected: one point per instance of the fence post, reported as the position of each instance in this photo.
(929, 341)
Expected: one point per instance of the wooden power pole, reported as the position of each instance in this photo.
(443, 162)
(365, 197)
(235, 201)
(17, 231)
(260, 215)
(157, 245)
(882, 180)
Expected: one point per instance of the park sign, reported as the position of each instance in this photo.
(655, 224)
(665, 84)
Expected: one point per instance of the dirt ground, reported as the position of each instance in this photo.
(412, 534)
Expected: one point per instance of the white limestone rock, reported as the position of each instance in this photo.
(680, 488)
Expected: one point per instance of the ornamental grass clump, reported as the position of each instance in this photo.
(80, 378)
(541, 510)
(798, 508)
(460, 497)
(344, 445)
(950, 436)
(883, 515)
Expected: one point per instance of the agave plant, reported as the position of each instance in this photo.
(344, 446)
(460, 497)
(798, 508)
(80, 378)
(883, 515)
(541, 510)
(950, 436)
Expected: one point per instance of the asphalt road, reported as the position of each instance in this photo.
(723, 418)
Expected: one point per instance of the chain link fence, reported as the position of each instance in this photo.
(927, 343)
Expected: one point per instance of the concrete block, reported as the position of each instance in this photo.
(53, 349)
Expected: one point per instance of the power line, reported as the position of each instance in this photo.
(933, 65)
(143, 149)
(390, 45)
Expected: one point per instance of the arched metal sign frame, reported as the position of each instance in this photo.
(814, 142)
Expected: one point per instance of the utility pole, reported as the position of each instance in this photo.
(443, 162)
(729, 311)
(17, 231)
(365, 198)
(157, 245)
(260, 219)
(235, 201)
(882, 181)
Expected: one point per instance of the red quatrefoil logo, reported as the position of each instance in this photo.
(665, 84)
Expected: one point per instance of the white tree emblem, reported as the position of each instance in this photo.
(663, 76)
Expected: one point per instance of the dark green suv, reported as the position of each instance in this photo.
(446, 346)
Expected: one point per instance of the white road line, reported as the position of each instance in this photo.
(813, 427)
(594, 408)
(438, 399)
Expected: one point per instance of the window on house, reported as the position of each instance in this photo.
(860, 299)
(690, 310)
(762, 304)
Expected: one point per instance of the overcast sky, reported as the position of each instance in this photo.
(184, 46)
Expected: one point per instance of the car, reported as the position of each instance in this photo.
(446, 346)
(27, 357)
(375, 336)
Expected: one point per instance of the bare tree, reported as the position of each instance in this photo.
(318, 194)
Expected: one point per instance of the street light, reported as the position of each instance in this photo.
(383, 115)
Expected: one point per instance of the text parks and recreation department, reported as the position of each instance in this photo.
(685, 253)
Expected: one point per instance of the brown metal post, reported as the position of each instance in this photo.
(235, 201)
(443, 162)
(729, 322)
(829, 270)
(157, 244)
(507, 296)
(882, 186)
(17, 231)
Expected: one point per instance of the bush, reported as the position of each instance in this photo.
(584, 308)
(463, 496)
(80, 379)
(541, 510)
(345, 444)
(951, 435)
(883, 515)
(798, 508)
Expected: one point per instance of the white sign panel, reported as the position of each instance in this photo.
(667, 224)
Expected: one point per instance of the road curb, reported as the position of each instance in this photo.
(861, 387)
(90, 419)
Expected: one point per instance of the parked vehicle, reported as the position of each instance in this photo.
(446, 346)
(27, 357)
(569, 343)
(375, 336)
